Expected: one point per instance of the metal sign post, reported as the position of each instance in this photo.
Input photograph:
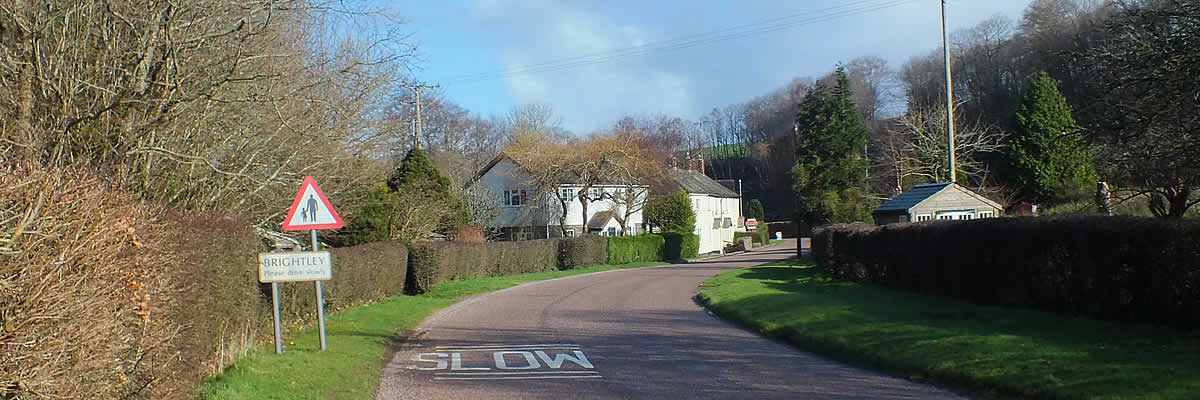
(275, 302)
(320, 298)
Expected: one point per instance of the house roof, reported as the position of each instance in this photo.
(696, 183)
(566, 179)
(919, 193)
(600, 219)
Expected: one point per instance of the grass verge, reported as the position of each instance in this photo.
(356, 339)
(990, 351)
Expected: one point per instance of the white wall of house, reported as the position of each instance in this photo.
(506, 176)
(716, 211)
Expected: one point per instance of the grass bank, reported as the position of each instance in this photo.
(990, 351)
(356, 339)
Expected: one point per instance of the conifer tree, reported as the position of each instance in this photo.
(755, 210)
(829, 177)
(1047, 155)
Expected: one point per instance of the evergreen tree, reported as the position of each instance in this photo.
(418, 182)
(1046, 153)
(755, 210)
(672, 213)
(829, 177)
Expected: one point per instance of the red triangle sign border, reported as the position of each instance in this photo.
(287, 226)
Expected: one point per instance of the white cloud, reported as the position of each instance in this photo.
(592, 96)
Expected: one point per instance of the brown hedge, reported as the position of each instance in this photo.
(583, 251)
(362, 273)
(433, 263)
(1109, 267)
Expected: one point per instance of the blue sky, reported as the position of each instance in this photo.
(457, 39)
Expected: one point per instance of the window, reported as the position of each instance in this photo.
(716, 223)
(923, 217)
(955, 215)
(728, 223)
(570, 233)
(612, 231)
(568, 194)
(515, 198)
(595, 194)
(986, 214)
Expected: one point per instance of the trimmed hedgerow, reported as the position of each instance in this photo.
(680, 246)
(759, 237)
(1109, 267)
(362, 273)
(627, 249)
(433, 263)
(583, 251)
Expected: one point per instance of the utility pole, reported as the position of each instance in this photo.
(949, 95)
(417, 91)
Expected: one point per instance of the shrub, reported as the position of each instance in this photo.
(672, 213)
(759, 237)
(627, 249)
(110, 298)
(221, 310)
(681, 246)
(1110, 267)
(583, 251)
(433, 263)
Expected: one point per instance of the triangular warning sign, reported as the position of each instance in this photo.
(311, 210)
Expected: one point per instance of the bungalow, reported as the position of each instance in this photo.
(718, 209)
(941, 201)
(529, 212)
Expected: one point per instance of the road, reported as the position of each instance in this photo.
(620, 334)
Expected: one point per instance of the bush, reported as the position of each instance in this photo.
(110, 298)
(759, 237)
(433, 263)
(681, 246)
(672, 212)
(583, 251)
(221, 311)
(1109, 267)
(627, 249)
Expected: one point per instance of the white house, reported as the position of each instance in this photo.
(718, 209)
(529, 213)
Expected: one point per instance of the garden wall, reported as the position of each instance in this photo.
(1109, 267)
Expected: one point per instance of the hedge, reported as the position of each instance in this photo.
(760, 237)
(1108, 267)
(433, 263)
(627, 249)
(680, 246)
(583, 251)
(361, 273)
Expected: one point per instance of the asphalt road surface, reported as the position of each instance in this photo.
(622, 335)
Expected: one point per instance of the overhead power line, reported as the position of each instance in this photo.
(730, 33)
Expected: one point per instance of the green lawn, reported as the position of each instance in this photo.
(357, 339)
(990, 351)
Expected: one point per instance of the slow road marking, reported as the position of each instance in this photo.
(506, 362)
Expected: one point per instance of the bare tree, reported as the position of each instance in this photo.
(921, 150)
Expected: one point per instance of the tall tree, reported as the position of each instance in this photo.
(755, 210)
(426, 201)
(1148, 66)
(1046, 152)
(829, 177)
